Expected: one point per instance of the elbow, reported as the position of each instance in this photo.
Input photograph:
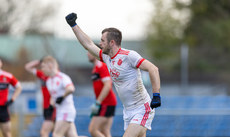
(108, 84)
(154, 69)
(19, 88)
(72, 90)
(26, 68)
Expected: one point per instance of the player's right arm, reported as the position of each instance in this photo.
(31, 66)
(83, 38)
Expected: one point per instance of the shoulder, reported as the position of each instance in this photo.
(100, 64)
(124, 51)
(132, 52)
(63, 76)
(128, 53)
(7, 74)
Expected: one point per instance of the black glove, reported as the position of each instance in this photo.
(156, 100)
(9, 102)
(71, 18)
(51, 108)
(59, 100)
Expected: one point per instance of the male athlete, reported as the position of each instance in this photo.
(7, 79)
(61, 88)
(124, 67)
(49, 112)
(104, 108)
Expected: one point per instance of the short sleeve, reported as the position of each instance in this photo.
(135, 59)
(104, 72)
(100, 55)
(103, 57)
(13, 81)
(41, 75)
(67, 81)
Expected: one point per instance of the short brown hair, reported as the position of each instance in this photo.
(113, 34)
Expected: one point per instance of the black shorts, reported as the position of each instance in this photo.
(49, 114)
(4, 114)
(106, 111)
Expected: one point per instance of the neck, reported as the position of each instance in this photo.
(95, 61)
(54, 73)
(114, 51)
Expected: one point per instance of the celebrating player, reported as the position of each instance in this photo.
(48, 110)
(61, 88)
(124, 67)
(104, 108)
(7, 79)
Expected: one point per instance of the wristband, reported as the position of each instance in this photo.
(156, 94)
(98, 103)
(74, 25)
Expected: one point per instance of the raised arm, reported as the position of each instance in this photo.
(30, 66)
(84, 39)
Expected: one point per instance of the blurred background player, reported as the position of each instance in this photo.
(61, 88)
(124, 67)
(7, 79)
(48, 110)
(104, 108)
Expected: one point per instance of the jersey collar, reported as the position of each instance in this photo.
(116, 54)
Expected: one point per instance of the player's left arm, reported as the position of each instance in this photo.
(155, 80)
(30, 66)
(153, 74)
(105, 90)
(17, 91)
(69, 89)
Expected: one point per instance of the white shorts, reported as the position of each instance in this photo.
(142, 115)
(66, 116)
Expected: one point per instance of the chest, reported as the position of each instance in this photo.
(118, 68)
(4, 82)
(54, 84)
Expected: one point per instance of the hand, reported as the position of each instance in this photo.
(51, 108)
(49, 111)
(8, 103)
(71, 18)
(95, 108)
(59, 100)
(156, 100)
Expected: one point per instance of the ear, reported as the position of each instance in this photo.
(112, 42)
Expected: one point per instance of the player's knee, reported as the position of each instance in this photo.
(91, 130)
(6, 132)
(55, 135)
(106, 132)
(43, 133)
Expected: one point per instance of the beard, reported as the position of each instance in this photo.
(106, 50)
(91, 60)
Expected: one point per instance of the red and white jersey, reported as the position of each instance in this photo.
(45, 92)
(56, 86)
(100, 74)
(6, 79)
(125, 73)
